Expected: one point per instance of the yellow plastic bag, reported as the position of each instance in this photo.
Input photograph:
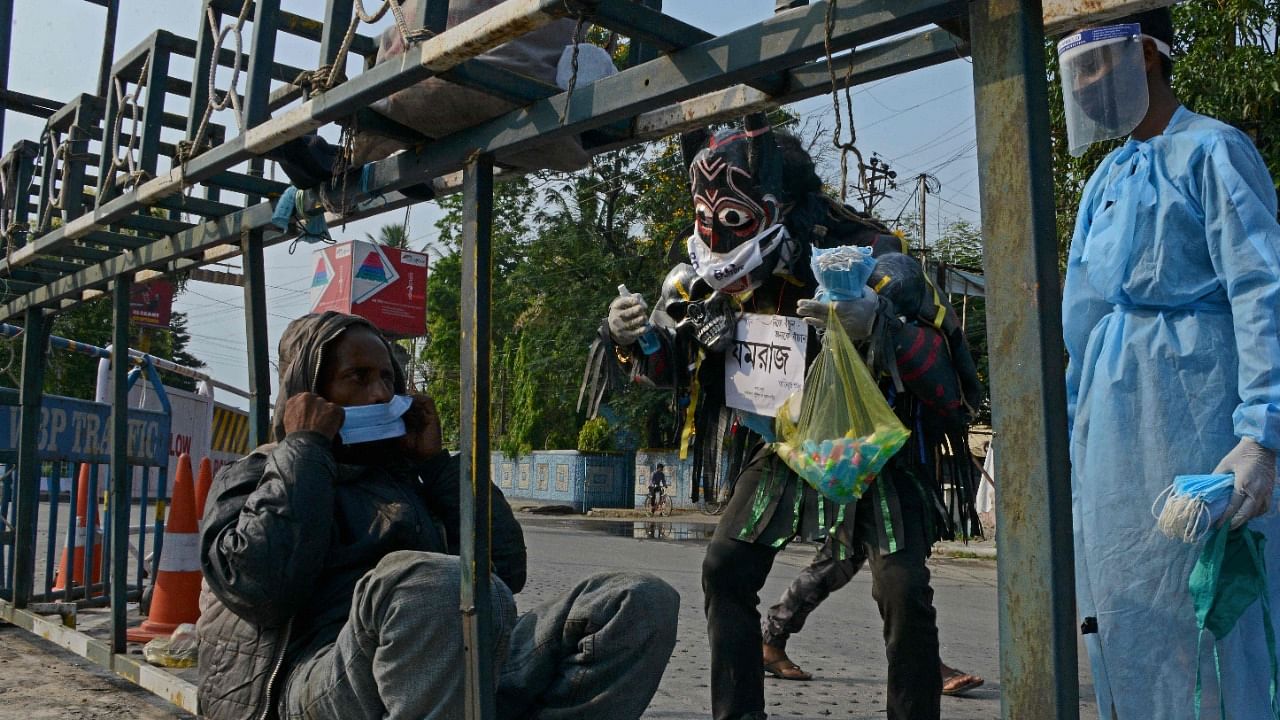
(843, 431)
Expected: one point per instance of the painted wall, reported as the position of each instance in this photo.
(588, 481)
(566, 477)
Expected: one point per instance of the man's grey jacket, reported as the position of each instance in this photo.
(288, 531)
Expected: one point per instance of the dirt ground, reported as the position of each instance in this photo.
(40, 680)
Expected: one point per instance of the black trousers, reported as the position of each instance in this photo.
(826, 574)
(734, 571)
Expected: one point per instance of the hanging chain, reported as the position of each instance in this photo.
(56, 202)
(844, 147)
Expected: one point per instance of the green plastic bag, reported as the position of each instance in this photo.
(844, 431)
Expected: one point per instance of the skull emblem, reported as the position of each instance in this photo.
(711, 320)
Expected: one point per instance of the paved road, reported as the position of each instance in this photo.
(842, 645)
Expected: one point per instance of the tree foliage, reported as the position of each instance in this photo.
(391, 235)
(561, 246)
(74, 375)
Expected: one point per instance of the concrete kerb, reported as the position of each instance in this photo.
(528, 509)
(976, 549)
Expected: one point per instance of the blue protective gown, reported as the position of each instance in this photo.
(1171, 317)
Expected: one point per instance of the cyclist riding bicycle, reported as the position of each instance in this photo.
(657, 485)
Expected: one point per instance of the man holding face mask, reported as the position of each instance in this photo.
(1171, 316)
(331, 590)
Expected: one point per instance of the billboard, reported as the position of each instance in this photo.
(382, 284)
(151, 303)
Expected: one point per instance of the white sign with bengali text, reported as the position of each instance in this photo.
(766, 362)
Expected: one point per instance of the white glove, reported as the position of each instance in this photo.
(857, 316)
(1255, 469)
(627, 317)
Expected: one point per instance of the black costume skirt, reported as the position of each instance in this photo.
(771, 505)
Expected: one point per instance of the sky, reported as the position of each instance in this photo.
(921, 122)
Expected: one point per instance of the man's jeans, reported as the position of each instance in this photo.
(597, 651)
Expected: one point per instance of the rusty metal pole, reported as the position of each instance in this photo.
(1038, 663)
(476, 488)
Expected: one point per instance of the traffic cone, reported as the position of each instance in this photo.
(176, 599)
(204, 480)
(84, 505)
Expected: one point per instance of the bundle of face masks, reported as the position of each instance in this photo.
(842, 272)
(366, 423)
(1192, 505)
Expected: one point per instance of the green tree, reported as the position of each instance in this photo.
(960, 245)
(74, 375)
(391, 235)
(519, 436)
(562, 244)
(441, 356)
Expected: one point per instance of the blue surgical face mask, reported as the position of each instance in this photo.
(366, 423)
(1192, 505)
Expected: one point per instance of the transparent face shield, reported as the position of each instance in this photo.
(1104, 84)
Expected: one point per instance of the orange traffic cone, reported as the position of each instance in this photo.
(84, 505)
(176, 599)
(204, 480)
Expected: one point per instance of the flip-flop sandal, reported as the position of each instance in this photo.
(957, 682)
(786, 670)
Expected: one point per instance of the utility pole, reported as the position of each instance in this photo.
(877, 179)
(921, 193)
(927, 184)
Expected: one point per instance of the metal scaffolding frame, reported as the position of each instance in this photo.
(79, 219)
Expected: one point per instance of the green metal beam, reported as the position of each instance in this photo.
(34, 345)
(436, 55)
(258, 349)
(121, 485)
(780, 42)
(929, 47)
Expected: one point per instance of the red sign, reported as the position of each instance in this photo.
(151, 303)
(384, 285)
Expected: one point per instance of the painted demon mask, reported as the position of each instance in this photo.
(735, 179)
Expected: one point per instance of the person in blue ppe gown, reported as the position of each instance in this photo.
(1171, 318)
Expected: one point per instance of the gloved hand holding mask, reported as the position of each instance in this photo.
(1255, 469)
(842, 274)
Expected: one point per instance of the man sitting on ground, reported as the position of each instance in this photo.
(331, 586)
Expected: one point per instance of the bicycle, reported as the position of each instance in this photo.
(659, 503)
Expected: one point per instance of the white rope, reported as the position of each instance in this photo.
(129, 161)
(844, 147)
(231, 98)
(327, 76)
